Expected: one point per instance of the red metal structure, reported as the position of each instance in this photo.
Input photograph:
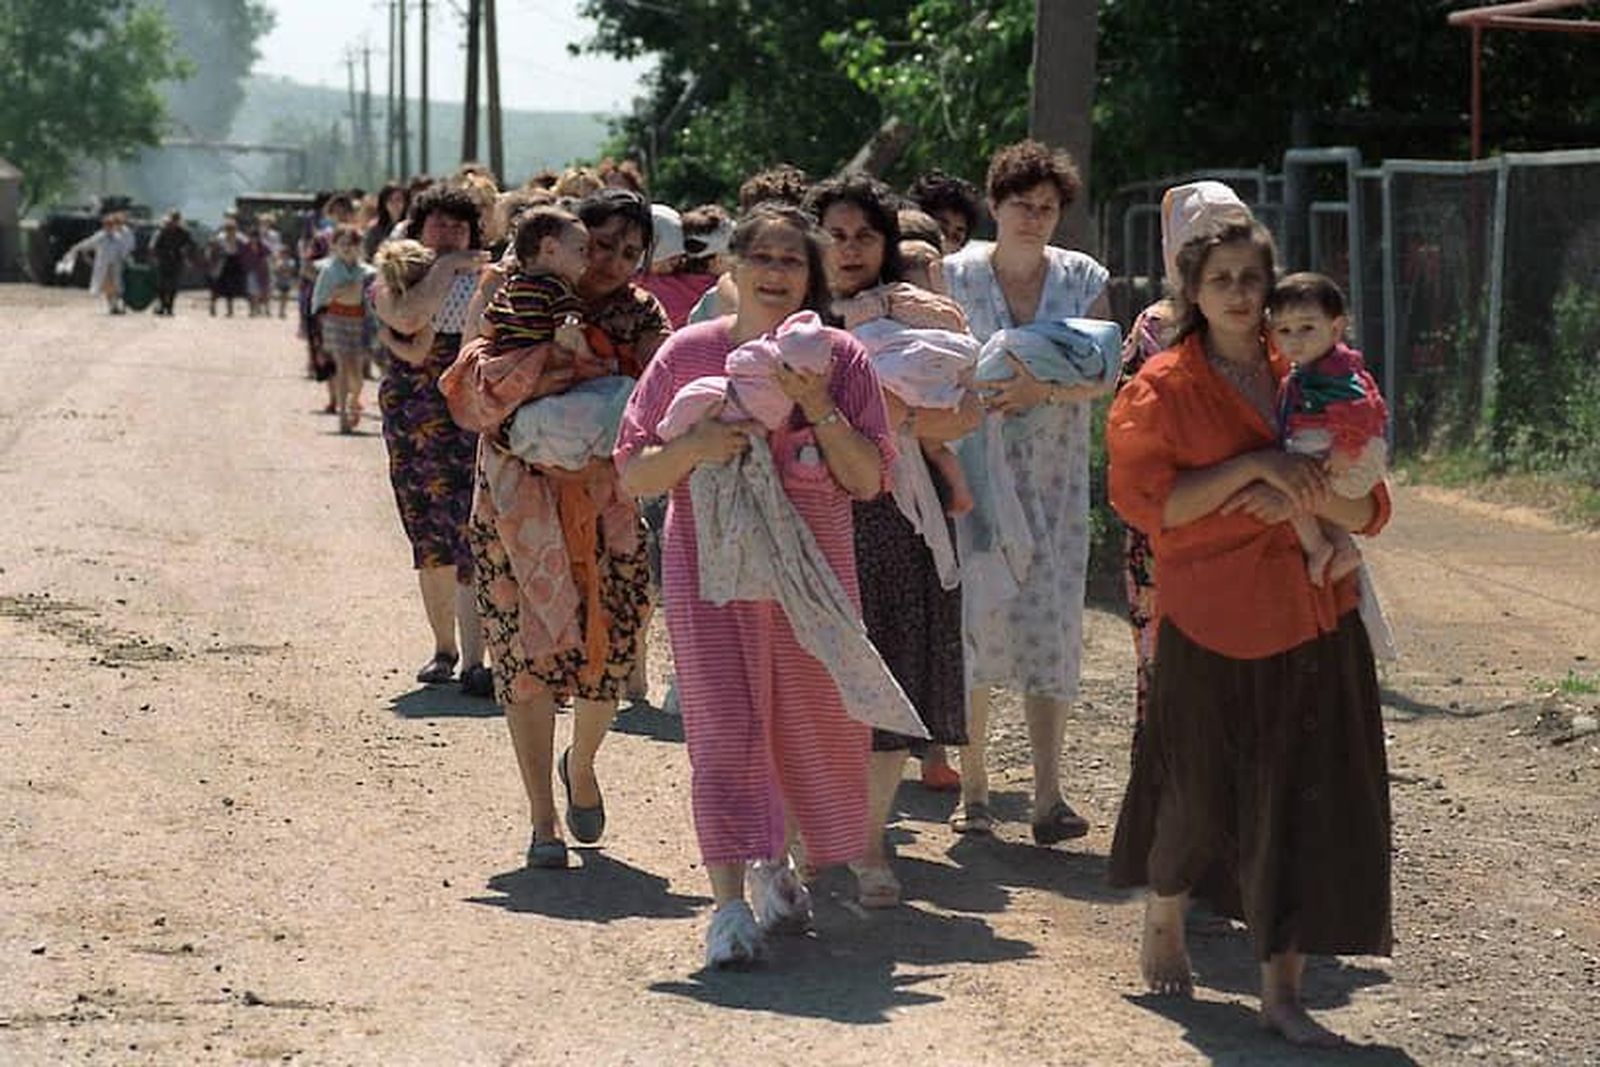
(1526, 15)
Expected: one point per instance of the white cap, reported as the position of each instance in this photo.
(668, 227)
(1195, 210)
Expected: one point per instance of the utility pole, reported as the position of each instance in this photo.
(469, 111)
(405, 134)
(497, 155)
(388, 104)
(422, 143)
(355, 104)
(367, 160)
(1063, 96)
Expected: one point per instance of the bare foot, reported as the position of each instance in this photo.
(1290, 1020)
(1163, 958)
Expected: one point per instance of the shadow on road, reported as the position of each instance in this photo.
(845, 972)
(1412, 708)
(1229, 1034)
(644, 720)
(601, 890)
(442, 702)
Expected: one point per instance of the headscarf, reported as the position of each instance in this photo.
(1195, 210)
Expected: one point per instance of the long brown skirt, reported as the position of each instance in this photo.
(1262, 786)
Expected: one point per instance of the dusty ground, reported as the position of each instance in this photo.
(233, 830)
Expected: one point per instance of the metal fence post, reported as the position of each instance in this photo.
(1391, 306)
(1497, 275)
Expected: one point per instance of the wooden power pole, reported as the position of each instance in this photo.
(368, 154)
(491, 45)
(469, 110)
(1064, 41)
(388, 103)
(422, 111)
(404, 133)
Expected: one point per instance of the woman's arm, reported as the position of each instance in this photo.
(941, 425)
(855, 462)
(659, 468)
(415, 351)
(411, 310)
(1197, 493)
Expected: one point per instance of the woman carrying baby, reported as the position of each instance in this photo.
(769, 738)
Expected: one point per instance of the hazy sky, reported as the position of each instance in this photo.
(312, 37)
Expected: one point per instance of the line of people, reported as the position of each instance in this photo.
(859, 418)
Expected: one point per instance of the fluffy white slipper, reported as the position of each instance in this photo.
(782, 903)
(733, 939)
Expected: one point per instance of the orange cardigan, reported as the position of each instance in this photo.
(1230, 583)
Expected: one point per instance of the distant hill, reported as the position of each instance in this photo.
(533, 139)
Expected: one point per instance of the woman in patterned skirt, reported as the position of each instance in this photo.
(521, 502)
(910, 616)
(430, 457)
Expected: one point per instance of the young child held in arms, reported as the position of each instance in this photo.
(401, 264)
(1331, 408)
(339, 300)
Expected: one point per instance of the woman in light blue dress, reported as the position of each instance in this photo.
(1032, 642)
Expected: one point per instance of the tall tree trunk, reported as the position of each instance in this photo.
(1065, 34)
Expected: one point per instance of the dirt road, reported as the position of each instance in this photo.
(233, 830)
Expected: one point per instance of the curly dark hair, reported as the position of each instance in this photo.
(1016, 168)
(600, 207)
(753, 223)
(876, 201)
(785, 183)
(447, 198)
(937, 191)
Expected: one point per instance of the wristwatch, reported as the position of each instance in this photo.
(832, 416)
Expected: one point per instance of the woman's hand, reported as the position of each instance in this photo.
(1020, 393)
(1302, 479)
(1261, 502)
(808, 390)
(713, 442)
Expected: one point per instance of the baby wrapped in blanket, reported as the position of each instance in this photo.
(996, 544)
(753, 545)
(925, 368)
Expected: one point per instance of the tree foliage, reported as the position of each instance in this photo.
(1180, 86)
(958, 72)
(739, 85)
(80, 79)
(219, 37)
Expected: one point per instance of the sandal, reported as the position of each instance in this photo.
(441, 668)
(940, 778)
(1060, 823)
(973, 818)
(586, 824)
(876, 887)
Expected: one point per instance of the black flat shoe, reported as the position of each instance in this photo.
(438, 670)
(478, 681)
(586, 824)
(1060, 823)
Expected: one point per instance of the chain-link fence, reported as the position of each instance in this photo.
(1474, 286)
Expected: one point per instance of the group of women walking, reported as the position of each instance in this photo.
(1258, 780)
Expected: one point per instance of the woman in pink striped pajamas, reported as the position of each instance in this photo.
(767, 734)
